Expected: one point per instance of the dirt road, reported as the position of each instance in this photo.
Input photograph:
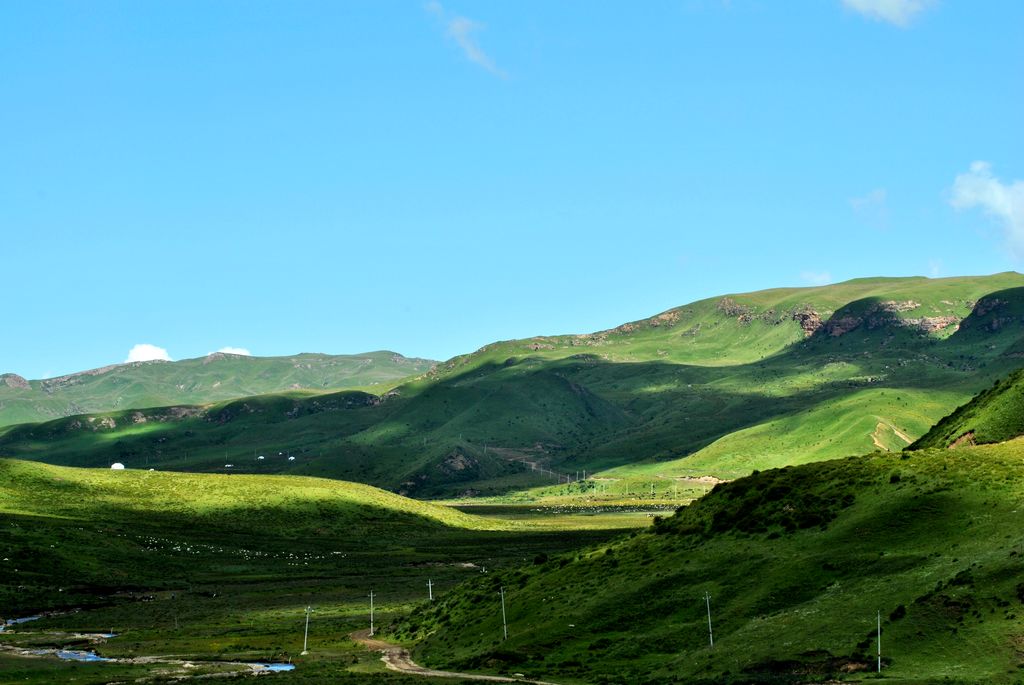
(397, 659)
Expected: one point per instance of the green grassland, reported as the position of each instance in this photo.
(797, 562)
(720, 387)
(213, 378)
(995, 415)
(219, 568)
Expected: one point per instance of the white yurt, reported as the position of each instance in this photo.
(117, 466)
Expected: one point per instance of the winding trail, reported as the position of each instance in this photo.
(397, 659)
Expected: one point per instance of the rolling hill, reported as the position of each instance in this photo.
(798, 563)
(719, 387)
(218, 570)
(212, 378)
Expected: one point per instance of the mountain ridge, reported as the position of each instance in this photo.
(719, 387)
(214, 377)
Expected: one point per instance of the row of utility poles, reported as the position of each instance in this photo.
(711, 635)
(504, 620)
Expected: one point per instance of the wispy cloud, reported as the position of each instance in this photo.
(935, 268)
(816, 277)
(144, 352)
(872, 208)
(462, 30)
(898, 12)
(1002, 201)
(235, 350)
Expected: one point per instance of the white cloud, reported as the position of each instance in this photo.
(462, 30)
(872, 208)
(1002, 201)
(935, 268)
(816, 277)
(144, 352)
(898, 12)
(236, 350)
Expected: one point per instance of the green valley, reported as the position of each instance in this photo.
(220, 568)
(719, 388)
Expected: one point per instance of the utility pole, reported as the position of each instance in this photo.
(711, 635)
(305, 639)
(879, 641)
(371, 613)
(430, 590)
(504, 622)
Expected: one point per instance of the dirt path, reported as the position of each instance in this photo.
(397, 659)
(881, 426)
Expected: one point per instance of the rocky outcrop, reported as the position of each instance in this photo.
(13, 380)
(809, 320)
(934, 324)
(886, 314)
(733, 309)
(457, 465)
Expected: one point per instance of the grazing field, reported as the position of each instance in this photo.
(217, 568)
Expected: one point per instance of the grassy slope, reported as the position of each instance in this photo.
(797, 562)
(995, 415)
(720, 387)
(195, 381)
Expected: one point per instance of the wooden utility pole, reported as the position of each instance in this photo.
(504, 621)
(711, 635)
(371, 613)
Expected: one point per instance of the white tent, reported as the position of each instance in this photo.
(117, 466)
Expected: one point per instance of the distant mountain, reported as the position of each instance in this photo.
(213, 378)
(719, 387)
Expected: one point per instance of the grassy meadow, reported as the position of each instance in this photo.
(219, 568)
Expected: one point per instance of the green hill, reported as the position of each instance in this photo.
(995, 415)
(797, 561)
(719, 387)
(220, 568)
(212, 378)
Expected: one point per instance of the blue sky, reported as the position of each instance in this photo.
(345, 176)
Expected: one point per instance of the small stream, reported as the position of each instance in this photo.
(15, 621)
(90, 656)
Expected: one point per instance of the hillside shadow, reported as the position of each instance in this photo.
(582, 405)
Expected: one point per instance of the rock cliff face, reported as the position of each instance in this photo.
(870, 317)
(886, 314)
